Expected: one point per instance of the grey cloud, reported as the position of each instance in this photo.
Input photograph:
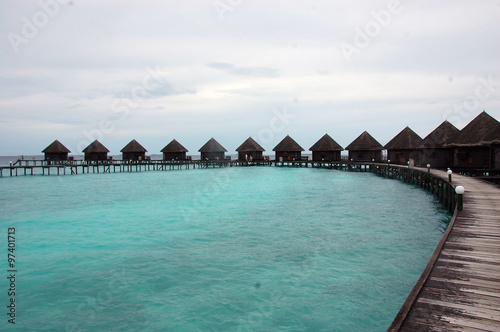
(74, 106)
(221, 65)
(20, 86)
(164, 89)
(245, 71)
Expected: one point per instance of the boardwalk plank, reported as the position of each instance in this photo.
(461, 296)
(472, 282)
(473, 255)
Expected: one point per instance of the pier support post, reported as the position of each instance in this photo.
(460, 197)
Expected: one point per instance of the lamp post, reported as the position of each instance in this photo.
(428, 168)
(460, 197)
(450, 172)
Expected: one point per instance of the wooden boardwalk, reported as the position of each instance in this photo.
(460, 289)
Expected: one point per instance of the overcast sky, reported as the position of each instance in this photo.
(157, 70)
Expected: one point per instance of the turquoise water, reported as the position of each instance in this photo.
(237, 249)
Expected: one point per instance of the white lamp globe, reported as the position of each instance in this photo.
(459, 190)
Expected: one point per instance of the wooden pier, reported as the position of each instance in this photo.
(42, 167)
(460, 288)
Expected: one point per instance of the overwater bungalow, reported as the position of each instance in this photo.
(250, 150)
(326, 149)
(95, 152)
(212, 150)
(434, 148)
(288, 149)
(56, 151)
(478, 144)
(174, 151)
(133, 151)
(365, 148)
(403, 147)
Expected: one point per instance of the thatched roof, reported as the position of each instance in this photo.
(407, 139)
(95, 147)
(288, 144)
(174, 146)
(250, 145)
(484, 130)
(440, 137)
(326, 143)
(212, 146)
(133, 146)
(56, 147)
(365, 142)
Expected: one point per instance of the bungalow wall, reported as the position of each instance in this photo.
(403, 156)
(96, 156)
(364, 155)
(174, 155)
(473, 157)
(288, 155)
(436, 157)
(56, 156)
(256, 155)
(212, 155)
(497, 157)
(134, 155)
(326, 155)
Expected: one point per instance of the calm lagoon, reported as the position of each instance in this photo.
(236, 249)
